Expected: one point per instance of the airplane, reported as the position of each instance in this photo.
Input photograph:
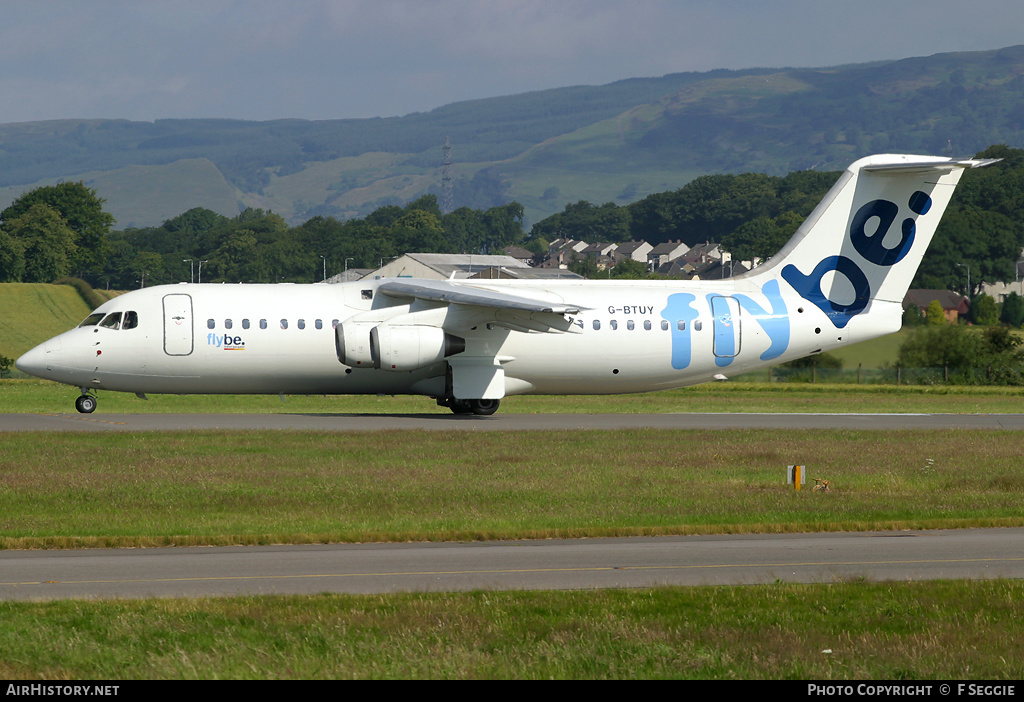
(468, 344)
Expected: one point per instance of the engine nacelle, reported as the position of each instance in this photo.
(353, 344)
(406, 347)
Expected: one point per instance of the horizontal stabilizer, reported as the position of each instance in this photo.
(925, 166)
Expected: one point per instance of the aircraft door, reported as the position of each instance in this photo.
(726, 314)
(178, 324)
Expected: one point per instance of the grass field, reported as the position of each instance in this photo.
(844, 631)
(216, 487)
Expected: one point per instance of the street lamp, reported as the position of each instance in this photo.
(201, 269)
(963, 265)
(191, 268)
(350, 258)
(325, 267)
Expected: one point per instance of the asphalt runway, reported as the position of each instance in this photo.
(100, 422)
(551, 564)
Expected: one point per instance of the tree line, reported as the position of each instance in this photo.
(62, 230)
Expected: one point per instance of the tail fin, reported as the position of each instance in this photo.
(865, 240)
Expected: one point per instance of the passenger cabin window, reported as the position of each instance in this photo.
(319, 324)
(263, 324)
(210, 324)
(597, 324)
(227, 323)
(614, 324)
(630, 325)
(302, 324)
(664, 325)
(698, 325)
(284, 323)
(245, 324)
(647, 325)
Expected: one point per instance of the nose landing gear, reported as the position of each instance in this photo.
(86, 403)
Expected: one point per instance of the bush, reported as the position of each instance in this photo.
(91, 297)
(962, 356)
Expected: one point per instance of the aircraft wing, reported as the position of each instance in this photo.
(515, 312)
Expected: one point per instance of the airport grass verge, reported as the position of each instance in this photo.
(218, 488)
(840, 631)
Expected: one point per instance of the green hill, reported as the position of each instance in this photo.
(31, 313)
(615, 142)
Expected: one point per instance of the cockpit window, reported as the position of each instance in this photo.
(131, 320)
(112, 321)
(92, 320)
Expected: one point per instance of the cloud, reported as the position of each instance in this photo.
(320, 59)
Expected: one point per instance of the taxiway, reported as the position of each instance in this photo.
(544, 564)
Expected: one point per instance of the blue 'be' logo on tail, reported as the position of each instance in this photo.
(871, 247)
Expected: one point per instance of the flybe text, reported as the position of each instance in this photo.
(223, 341)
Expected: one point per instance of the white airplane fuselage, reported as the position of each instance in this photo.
(281, 339)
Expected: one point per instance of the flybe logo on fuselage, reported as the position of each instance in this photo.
(225, 342)
(877, 258)
(725, 313)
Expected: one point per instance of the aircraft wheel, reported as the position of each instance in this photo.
(460, 407)
(86, 404)
(484, 407)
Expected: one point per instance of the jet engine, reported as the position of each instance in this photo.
(394, 347)
(408, 347)
(353, 343)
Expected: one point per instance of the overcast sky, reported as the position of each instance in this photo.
(328, 59)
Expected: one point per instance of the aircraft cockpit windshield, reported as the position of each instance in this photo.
(114, 320)
(92, 320)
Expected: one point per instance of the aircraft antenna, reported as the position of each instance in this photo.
(446, 179)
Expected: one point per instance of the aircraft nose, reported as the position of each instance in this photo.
(34, 362)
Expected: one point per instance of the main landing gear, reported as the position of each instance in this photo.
(86, 403)
(478, 407)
